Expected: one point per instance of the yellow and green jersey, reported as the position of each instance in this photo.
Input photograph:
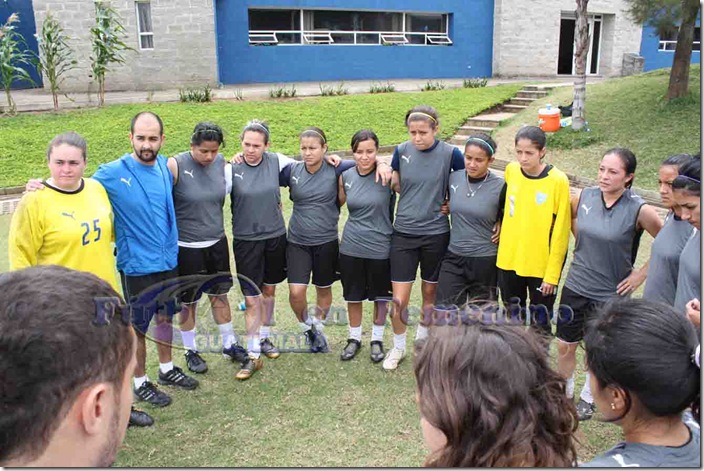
(71, 229)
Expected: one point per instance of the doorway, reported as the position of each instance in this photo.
(565, 59)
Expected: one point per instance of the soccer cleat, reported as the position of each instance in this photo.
(317, 341)
(248, 368)
(148, 392)
(269, 349)
(195, 362)
(351, 349)
(139, 418)
(585, 410)
(236, 353)
(176, 377)
(377, 351)
(393, 358)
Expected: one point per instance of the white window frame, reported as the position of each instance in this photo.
(325, 37)
(140, 33)
(662, 44)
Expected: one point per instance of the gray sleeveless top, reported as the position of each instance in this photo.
(315, 209)
(689, 277)
(607, 244)
(256, 200)
(199, 195)
(661, 284)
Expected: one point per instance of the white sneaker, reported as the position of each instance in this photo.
(393, 358)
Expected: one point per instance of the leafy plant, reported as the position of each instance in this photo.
(239, 94)
(108, 46)
(329, 90)
(388, 87)
(475, 82)
(431, 85)
(283, 91)
(14, 54)
(55, 55)
(196, 95)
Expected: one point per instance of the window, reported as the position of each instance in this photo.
(144, 25)
(346, 27)
(668, 42)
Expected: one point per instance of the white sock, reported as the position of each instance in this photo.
(264, 332)
(318, 324)
(228, 334)
(166, 367)
(356, 333)
(570, 387)
(188, 337)
(400, 341)
(377, 333)
(304, 326)
(421, 332)
(586, 394)
(138, 382)
(253, 346)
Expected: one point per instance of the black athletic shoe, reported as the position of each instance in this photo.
(316, 340)
(148, 392)
(195, 362)
(351, 349)
(139, 418)
(268, 349)
(176, 377)
(236, 353)
(585, 410)
(377, 351)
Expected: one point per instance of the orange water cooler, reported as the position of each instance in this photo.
(549, 119)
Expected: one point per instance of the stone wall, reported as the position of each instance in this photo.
(184, 44)
(527, 36)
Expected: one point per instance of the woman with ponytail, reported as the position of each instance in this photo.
(643, 359)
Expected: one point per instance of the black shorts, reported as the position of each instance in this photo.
(571, 329)
(365, 278)
(149, 294)
(466, 278)
(259, 263)
(321, 260)
(407, 251)
(213, 260)
(516, 293)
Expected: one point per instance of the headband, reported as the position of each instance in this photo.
(479, 139)
(423, 114)
(315, 132)
(254, 124)
(695, 356)
(688, 178)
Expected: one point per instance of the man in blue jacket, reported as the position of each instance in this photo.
(139, 186)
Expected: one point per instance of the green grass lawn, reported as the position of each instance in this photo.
(25, 137)
(622, 112)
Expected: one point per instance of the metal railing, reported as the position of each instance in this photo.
(347, 38)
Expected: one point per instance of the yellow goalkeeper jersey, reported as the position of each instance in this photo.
(535, 230)
(71, 229)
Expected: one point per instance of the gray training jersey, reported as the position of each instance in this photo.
(689, 276)
(424, 178)
(640, 455)
(199, 195)
(368, 229)
(474, 209)
(256, 200)
(661, 284)
(607, 243)
(315, 209)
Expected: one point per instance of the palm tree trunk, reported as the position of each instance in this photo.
(580, 65)
(679, 75)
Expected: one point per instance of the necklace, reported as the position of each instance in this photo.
(474, 192)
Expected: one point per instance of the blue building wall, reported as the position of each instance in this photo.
(471, 30)
(655, 59)
(26, 27)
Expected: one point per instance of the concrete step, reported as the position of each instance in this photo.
(537, 88)
(521, 101)
(531, 94)
(513, 108)
(469, 130)
(481, 123)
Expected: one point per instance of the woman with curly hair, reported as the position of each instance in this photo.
(488, 397)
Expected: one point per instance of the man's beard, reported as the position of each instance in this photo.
(108, 453)
(146, 159)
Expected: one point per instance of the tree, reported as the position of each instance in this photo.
(55, 55)
(581, 49)
(14, 56)
(667, 17)
(108, 47)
